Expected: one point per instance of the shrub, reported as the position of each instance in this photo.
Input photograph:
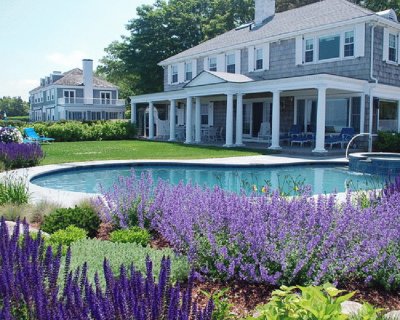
(13, 190)
(86, 131)
(10, 134)
(82, 217)
(312, 303)
(93, 251)
(20, 155)
(388, 142)
(270, 239)
(132, 235)
(29, 288)
(67, 236)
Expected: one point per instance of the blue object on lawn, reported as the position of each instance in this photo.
(32, 136)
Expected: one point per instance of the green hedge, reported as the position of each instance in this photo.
(388, 142)
(86, 131)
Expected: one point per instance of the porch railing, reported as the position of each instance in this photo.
(86, 101)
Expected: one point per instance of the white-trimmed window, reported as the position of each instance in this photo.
(188, 71)
(48, 95)
(309, 50)
(212, 64)
(174, 74)
(105, 97)
(52, 94)
(329, 47)
(69, 96)
(259, 59)
(230, 63)
(393, 43)
(204, 114)
(349, 44)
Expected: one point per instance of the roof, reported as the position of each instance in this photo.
(210, 77)
(74, 77)
(318, 14)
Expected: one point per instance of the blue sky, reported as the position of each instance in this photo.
(41, 36)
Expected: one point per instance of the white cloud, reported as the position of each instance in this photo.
(66, 61)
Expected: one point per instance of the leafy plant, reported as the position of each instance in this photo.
(222, 307)
(13, 190)
(311, 303)
(388, 142)
(368, 312)
(83, 217)
(67, 236)
(132, 235)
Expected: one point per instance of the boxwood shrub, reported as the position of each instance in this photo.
(132, 235)
(83, 217)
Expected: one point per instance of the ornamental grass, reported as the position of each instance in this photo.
(29, 288)
(266, 238)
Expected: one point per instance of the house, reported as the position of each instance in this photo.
(322, 67)
(75, 95)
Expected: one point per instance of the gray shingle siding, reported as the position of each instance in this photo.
(386, 73)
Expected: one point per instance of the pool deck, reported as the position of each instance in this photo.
(68, 198)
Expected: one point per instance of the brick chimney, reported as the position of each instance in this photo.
(264, 9)
(88, 80)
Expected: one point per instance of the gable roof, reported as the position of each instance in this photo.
(211, 77)
(74, 77)
(315, 15)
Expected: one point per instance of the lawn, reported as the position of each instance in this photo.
(62, 152)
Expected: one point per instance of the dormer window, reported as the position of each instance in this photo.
(230, 63)
(212, 64)
(259, 59)
(188, 71)
(174, 74)
(393, 47)
(309, 52)
(349, 44)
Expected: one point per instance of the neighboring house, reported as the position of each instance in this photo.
(75, 95)
(324, 66)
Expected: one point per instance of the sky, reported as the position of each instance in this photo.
(41, 36)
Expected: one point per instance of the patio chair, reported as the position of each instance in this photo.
(343, 138)
(265, 132)
(302, 139)
(295, 130)
(32, 136)
(220, 134)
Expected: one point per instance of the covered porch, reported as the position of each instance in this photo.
(234, 110)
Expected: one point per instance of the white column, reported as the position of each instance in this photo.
(172, 116)
(229, 120)
(371, 119)
(398, 116)
(362, 113)
(320, 130)
(295, 112)
(276, 101)
(197, 121)
(189, 127)
(151, 121)
(239, 119)
(133, 112)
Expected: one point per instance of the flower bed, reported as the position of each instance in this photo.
(20, 155)
(268, 239)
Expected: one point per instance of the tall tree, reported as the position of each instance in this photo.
(14, 106)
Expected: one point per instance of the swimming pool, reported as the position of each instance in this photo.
(326, 178)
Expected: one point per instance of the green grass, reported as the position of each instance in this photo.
(61, 152)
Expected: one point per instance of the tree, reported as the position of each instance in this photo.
(14, 106)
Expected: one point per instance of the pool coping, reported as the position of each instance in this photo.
(70, 198)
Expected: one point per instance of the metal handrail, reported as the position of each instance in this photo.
(355, 137)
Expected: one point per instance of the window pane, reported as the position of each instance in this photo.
(349, 44)
(212, 64)
(329, 47)
(309, 54)
(392, 47)
(230, 59)
(337, 113)
(387, 115)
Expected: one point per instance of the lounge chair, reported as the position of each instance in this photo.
(343, 138)
(302, 139)
(265, 132)
(295, 130)
(32, 136)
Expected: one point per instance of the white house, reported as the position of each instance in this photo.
(75, 95)
(325, 66)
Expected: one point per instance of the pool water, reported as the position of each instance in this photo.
(321, 178)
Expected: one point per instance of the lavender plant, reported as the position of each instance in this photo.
(272, 239)
(20, 155)
(29, 290)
